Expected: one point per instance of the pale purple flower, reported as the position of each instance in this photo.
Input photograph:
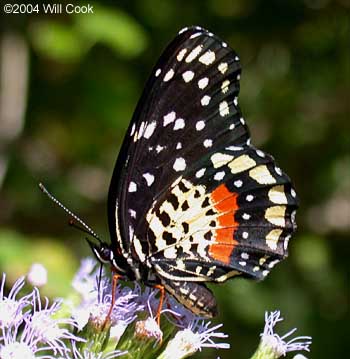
(179, 315)
(41, 325)
(90, 355)
(84, 281)
(11, 309)
(86, 354)
(33, 333)
(149, 327)
(196, 336)
(37, 275)
(96, 300)
(278, 344)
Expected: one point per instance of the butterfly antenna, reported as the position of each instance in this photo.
(85, 228)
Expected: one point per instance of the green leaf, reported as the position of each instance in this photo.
(57, 41)
(113, 28)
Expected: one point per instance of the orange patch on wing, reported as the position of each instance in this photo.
(225, 202)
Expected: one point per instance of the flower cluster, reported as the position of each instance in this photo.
(31, 327)
(27, 327)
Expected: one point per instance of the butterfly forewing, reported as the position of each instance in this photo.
(189, 107)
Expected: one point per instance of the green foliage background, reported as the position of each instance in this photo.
(85, 74)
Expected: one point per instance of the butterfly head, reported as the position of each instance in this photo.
(105, 254)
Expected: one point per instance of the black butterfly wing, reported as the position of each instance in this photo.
(189, 193)
(173, 126)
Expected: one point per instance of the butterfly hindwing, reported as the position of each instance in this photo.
(236, 223)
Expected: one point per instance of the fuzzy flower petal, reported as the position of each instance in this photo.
(274, 346)
(37, 275)
(11, 309)
(97, 298)
(16, 350)
(44, 328)
(192, 339)
(34, 333)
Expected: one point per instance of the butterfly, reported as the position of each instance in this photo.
(191, 200)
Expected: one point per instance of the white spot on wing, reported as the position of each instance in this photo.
(132, 213)
(150, 129)
(286, 241)
(132, 187)
(195, 35)
(219, 175)
(249, 198)
(277, 195)
(262, 175)
(188, 76)
(202, 83)
(207, 143)
(159, 148)
(241, 163)
(223, 108)
(179, 164)
(179, 124)
(158, 72)
(205, 100)
(141, 129)
(179, 146)
(200, 173)
(278, 171)
(272, 238)
(225, 85)
(200, 125)
(169, 75)
(220, 159)
(260, 153)
(194, 53)
(275, 215)
(181, 54)
(149, 178)
(133, 129)
(234, 148)
(238, 183)
(207, 58)
(169, 118)
(246, 216)
(223, 67)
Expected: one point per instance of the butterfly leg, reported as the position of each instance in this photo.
(114, 289)
(161, 301)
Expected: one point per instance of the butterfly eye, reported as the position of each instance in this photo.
(106, 254)
(103, 254)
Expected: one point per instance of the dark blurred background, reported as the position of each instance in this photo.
(68, 88)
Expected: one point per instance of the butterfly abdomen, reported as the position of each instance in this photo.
(194, 296)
